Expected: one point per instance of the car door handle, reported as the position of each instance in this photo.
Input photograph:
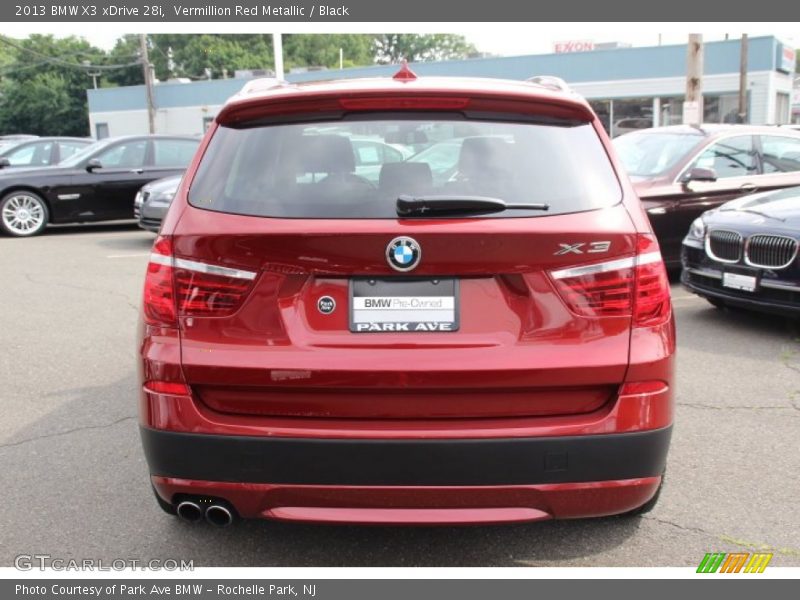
(748, 187)
(137, 171)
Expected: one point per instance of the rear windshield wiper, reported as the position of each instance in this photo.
(458, 205)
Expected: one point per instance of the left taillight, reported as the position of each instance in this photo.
(181, 287)
(159, 294)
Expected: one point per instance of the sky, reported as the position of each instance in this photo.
(505, 39)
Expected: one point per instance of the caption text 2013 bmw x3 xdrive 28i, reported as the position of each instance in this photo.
(336, 332)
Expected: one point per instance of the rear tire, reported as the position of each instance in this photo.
(649, 505)
(23, 213)
(164, 505)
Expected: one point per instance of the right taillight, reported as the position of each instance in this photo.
(635, 286)
(181, 287)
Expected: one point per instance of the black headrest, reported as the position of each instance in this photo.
(482, 154)
(405, 177)
(327, 154)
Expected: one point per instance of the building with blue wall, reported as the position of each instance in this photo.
(629, 88)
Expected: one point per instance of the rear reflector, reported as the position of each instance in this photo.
(635, 388)
(177, 286)
(634, 286)
(167, 387)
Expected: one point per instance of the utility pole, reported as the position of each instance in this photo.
(148, 83)
(693, 104)
(277, 49)
(743, 80)
(93, 74)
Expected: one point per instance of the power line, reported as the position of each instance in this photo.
(57, 61)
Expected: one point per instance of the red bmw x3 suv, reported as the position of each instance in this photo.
(406, 300)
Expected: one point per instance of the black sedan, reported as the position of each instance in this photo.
(153, 200)
(745, 253)
(40, 152)
(98, 183)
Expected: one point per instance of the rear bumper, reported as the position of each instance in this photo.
(418, 505)
(411, 481)
(454, 462)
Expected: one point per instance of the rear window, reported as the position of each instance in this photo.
(358, 168)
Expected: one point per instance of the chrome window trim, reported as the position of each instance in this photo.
(713, 256)
(679, 179)
(785, 237)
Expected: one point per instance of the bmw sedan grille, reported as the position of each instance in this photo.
(724, 246)
(770, 251)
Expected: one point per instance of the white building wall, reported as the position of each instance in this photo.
(184, 120)
(762, 85)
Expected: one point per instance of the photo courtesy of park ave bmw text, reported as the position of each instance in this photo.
(359, 299)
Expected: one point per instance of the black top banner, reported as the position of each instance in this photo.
(343, 11)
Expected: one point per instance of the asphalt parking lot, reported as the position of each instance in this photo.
(75, 481)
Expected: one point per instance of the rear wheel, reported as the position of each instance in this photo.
(164, 505)
(23, 213)
(649, 505)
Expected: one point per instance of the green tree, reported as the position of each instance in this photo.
(42, 105)
(46, 74)
(316, 50)
(126, 50)
(393, 47)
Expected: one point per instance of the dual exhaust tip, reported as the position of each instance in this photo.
(216, 514)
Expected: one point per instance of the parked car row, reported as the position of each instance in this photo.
(96, 183)
(39, 152)
(720, 202)
(679, 172)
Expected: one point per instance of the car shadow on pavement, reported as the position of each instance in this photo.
(706, 322)
(137, 243)
(77, 486)
(262, 543)
(103, 227)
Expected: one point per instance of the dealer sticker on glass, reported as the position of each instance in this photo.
(403, 305)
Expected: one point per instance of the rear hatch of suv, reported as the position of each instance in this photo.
(391, 263)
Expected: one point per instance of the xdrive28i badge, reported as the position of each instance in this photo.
(403, 253)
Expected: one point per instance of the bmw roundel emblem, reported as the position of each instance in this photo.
(403, 253)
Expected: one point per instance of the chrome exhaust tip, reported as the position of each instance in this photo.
(189, 511)
(218, 515)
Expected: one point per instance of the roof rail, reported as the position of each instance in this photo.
(550, 81)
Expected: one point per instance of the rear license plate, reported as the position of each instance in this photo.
(736, 281)
(403, 305)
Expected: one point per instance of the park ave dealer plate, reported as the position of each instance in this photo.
(403, 305)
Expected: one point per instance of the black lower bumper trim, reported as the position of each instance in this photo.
(507, 461)
(756, 301)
